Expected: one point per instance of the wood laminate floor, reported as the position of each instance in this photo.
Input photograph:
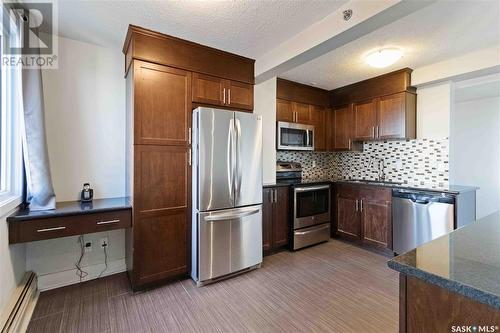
(332, 287)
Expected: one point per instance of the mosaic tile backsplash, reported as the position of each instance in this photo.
(413, 162)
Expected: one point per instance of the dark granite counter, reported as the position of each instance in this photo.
(466, 261)
(452, 189)
(69, 208)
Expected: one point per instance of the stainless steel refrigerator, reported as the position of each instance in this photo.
(227, 193)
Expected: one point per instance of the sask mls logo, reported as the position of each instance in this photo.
(29, 34)
(474, 328)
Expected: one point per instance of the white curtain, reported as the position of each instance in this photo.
(39, 190)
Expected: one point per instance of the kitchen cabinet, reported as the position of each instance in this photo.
(275, 218)
(364, 214)
(163, 79)
(220, 92)
(284, 111)
(365, 119)
(340, 130)
(162, 104)
(396, 116)
(302, 113)
(318, 118)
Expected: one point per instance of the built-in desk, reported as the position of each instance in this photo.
(69, 219)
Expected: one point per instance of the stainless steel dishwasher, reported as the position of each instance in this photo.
(419, 217)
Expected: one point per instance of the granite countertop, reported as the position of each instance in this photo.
(466, 261)
(69, 208)
(453, 189)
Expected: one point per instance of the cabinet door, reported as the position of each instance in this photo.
(365, 120)
(375, 208)
(318, 121)
(343, 123)
(162, 212)
(161, 247)
(376, 217)
(208, 89)
(329, 129)
(162, 104)
(348, 222)
(302, 113)
(284, 111)
(239, 95)
(267, 218)
(280, 227)
(391, 116)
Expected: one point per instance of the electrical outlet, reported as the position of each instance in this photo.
(104, 242)
(88, 247)
(314, 164)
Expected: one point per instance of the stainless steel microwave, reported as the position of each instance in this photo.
(292, 136)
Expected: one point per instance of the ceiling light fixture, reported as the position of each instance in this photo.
(383, 57)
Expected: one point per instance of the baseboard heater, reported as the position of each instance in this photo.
(18, 312)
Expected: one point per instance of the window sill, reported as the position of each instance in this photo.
(8, 204)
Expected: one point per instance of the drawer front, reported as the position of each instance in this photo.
(310, 236)
(33, 230)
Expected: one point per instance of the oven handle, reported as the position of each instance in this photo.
(311, 188)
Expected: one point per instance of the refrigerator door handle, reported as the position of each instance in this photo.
(238, 159)
(226, 216)
(230, 158)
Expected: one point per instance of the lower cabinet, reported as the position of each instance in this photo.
(275, 218)
(363, 213)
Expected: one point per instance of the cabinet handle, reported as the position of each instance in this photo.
(349, 144)
(274, 195)
(51, 229)
(270, 196)
(189, 156)
(373, 132)
(229, 96)
(361, 205)
(378, 130)
(107, 222)
(189, 135)
(356, 204)
(224, 96)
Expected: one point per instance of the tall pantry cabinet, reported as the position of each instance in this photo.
(160, 73)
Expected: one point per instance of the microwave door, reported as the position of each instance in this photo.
(216, 160)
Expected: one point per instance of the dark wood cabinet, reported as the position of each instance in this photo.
(239, 95)
(302, 113)
(164, 76)
(162, 104)
(275, 218)
(341, 124)
(348, 218)
(208, 89)
(219, 92)
(284, 111)
(365, 120)
(364, 214)
(396, 116)
(318, 118)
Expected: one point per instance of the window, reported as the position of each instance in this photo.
(10, 135)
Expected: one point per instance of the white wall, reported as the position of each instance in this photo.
(475, 150)
(433, 111)
(12, 264)
(85, 121)
(265, 105)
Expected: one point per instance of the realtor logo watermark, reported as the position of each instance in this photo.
(29, 36)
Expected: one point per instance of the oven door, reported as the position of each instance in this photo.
(311, 205)
(291, 136)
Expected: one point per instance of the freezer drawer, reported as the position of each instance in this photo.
(419, 220)
(229, 241)
(310, 236)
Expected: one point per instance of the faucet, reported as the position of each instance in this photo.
(381, 167)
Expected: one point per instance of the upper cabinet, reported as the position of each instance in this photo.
(380, 108)
(384, 107)
(219, 92)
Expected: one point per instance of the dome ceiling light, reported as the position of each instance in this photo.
(383, 57)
